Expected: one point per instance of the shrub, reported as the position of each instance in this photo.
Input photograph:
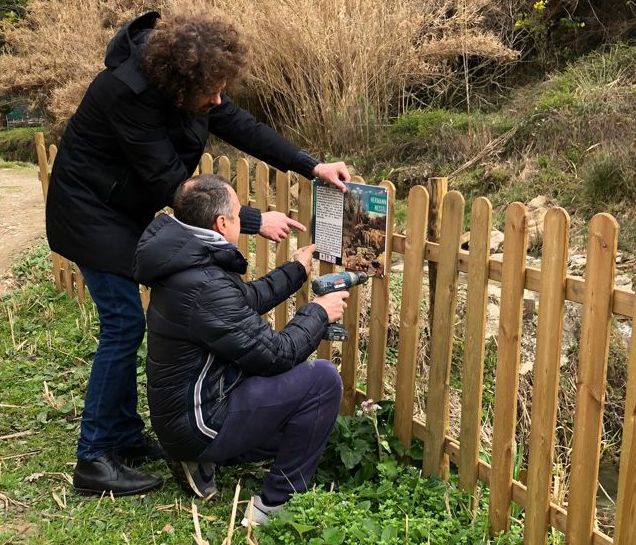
(609, 177)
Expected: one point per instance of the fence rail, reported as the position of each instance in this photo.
(599, 298)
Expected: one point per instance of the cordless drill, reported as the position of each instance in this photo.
(329, 283)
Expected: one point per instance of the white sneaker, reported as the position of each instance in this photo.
(260, 512)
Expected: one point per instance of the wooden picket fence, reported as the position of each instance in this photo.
(599, 298)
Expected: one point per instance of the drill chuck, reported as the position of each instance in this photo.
(329, 283)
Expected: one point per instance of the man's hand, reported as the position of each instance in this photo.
(334, 304)
(276, 226)
(334, 173)
(304, 255)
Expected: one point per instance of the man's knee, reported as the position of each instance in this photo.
(327, 375)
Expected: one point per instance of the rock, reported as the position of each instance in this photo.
(577, 262)
(536, 216)
(397, 263)
(528, 309)
(492, 319)
(623, 281)
(538, 202)
(496, 241)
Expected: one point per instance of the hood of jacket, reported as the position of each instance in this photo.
(123, 53)
(168, 246)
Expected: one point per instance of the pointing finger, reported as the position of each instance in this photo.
(295, 225)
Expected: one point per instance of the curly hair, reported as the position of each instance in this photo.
(187, 56)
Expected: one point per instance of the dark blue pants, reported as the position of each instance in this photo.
(288, 417)
(110, 418)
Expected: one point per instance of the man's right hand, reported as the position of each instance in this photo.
(334, 304)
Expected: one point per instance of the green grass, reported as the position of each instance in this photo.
(15, 164)
(47, 342)
(49, 339)
(18, 145)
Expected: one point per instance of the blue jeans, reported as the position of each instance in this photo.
(110, 419)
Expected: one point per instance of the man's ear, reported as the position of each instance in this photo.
(220, 225)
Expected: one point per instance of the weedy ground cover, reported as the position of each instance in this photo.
(362, 494)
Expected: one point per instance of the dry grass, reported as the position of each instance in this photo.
(330, 72)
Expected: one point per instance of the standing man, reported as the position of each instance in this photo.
(138, 133)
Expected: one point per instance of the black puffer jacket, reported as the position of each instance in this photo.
(127, 148)
(205, 331)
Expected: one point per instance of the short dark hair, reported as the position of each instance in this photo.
(201, 199)
(186, 56)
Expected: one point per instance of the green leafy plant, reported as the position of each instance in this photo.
(400, 507)
(362, 446)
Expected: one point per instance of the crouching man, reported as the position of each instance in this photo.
(223, 386)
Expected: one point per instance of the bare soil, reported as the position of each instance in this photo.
(21, 217)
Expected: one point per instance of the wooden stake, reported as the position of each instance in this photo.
(626, 502)
(379, 321)
(474, 348)
(507, 374)
(437, 189)
(417, 214)
(554, 264)
(281, 312)
(591, 378)
(442, 334)
(305, 212)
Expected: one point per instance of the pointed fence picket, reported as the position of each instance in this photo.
(596, 292)
(546, 375)
(380, 308)
(437, 415)
(507, 373)
(473, 364)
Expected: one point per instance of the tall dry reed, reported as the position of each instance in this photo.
(327, 72)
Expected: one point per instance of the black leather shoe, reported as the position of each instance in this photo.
(146, 449)
(107, 473)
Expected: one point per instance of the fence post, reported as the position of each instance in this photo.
(437, 403)
(44, 165)
(262, 192)
(281, 312)
(591, 377)
(243, 193)
(206, 164)
(626, 501)
(437, 189)
(416, 217)
(305, 197)
(325, 347)
(507, 374)
(379, 315)
(554, 264)
(474, 348)
(225, 170)
(351, 347)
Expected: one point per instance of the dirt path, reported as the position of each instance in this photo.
(21, 216)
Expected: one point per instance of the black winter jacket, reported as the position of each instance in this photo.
(205, 330)
(127, 148)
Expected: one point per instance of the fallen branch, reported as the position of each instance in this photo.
(23, 455)
(17, 434)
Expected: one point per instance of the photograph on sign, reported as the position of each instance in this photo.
(350, 228)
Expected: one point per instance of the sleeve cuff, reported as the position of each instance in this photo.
(250, 220)
(304, 164)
